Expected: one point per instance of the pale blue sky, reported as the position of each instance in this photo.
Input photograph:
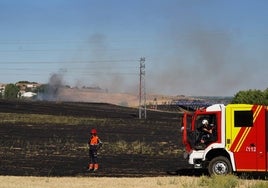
(192, 47)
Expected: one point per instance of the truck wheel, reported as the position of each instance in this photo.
(219, 166)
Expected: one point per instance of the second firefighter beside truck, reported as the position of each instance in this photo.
(94, 144)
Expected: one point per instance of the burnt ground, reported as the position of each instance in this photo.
(132, 147)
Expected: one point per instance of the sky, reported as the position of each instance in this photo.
(191, 47)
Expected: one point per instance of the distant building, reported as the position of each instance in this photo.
(2, 90)
(28, 94)
(27, 86)
(27, 89)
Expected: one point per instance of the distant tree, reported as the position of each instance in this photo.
(26, 82)
(23, 82)
(11, 91)
(47, 92)
(251, 97)
(42, 88)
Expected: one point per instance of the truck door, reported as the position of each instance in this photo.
(186, 131)
(245, 136)
(261, 126)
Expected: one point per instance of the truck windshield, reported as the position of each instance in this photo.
(199, 130)
(204, 130)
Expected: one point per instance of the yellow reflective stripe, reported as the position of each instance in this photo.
(245, 134)
(256, 113)
(238, 146)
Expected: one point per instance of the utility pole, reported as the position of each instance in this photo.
(142, 91)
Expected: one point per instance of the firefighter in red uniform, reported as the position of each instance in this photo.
(94, 144)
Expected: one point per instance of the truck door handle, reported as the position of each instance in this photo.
(252, 145)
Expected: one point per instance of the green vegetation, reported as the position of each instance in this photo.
(11, 91)
(251, 97)
(228, 181)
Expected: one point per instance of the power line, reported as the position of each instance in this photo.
(57, 50)
(55, 41)
(75, 61)
(80, 74)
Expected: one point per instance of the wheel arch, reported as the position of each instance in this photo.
(217, 152)
(220, 152)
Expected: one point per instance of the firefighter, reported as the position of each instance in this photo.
(207, 131)
(94, 143)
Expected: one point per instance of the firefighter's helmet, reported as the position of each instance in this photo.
(93, 131)
(205, 122)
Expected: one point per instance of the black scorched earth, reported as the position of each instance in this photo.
(132, 147)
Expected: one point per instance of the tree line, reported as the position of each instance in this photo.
(251, 97)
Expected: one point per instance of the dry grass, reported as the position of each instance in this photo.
(147, 182)
(128, 99)
(13, 118)
(93, 182)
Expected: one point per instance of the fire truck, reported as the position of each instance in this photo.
(237, 142)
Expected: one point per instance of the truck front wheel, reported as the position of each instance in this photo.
(219, 166)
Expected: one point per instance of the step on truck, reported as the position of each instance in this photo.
(237, 140)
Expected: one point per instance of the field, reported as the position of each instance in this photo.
(229, 181)
(50, 139)
(44, 144)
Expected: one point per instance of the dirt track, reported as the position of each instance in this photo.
(143, 148)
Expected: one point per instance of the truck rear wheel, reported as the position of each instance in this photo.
(219, 166)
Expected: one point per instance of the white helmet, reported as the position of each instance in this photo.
(204, 121)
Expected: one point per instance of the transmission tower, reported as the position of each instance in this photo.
(142, 91)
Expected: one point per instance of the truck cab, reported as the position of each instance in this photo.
(238, 141)
(200, 153)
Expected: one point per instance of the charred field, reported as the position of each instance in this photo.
(132, 147)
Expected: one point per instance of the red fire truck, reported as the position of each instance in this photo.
(237, 141)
